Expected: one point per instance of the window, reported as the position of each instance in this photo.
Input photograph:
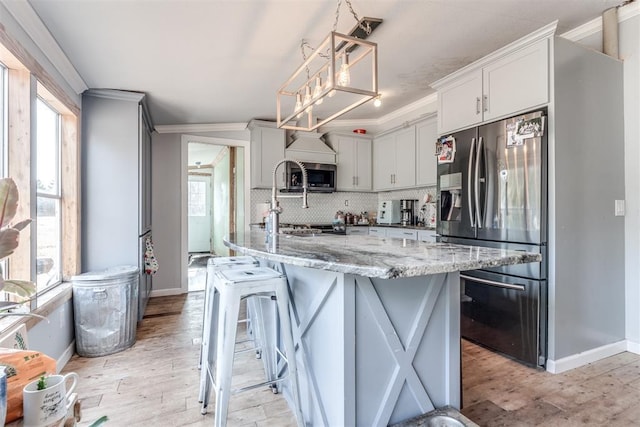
(48, 218)
(40, 152)
(197, 198)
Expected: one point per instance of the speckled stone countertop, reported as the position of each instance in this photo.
(373, 256)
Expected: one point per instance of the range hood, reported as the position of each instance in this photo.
(309, 147)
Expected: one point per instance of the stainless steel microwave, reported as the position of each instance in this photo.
(321, 177)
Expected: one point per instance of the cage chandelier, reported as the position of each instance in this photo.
(339, 75)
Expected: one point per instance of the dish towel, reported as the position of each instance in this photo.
(150, 261)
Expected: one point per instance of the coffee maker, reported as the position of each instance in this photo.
(408, 211)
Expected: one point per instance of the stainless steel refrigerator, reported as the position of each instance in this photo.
(493, 192)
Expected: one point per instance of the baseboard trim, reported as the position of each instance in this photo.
(166, 292)
(66, 356)
(586, 357)
(633, 347)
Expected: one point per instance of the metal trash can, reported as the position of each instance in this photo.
(105, 307)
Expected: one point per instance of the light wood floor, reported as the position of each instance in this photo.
(155, 383)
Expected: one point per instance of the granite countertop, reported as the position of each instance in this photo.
(373, 256)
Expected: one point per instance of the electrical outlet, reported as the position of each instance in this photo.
(619, 208)
(346, 203)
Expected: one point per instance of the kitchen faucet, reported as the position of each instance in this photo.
(273, 222)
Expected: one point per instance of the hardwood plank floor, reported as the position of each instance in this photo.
(155, 383)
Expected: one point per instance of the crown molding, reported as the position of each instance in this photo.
(204, 127)
(30, 22)
(595, 25)
(401, 112)
(545, 32)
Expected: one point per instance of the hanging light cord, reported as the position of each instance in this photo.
(366, 28)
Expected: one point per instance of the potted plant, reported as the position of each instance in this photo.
(22, 289)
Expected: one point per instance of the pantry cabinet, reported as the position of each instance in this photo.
(394, 161)
(353, 161)
(267, 149)
(504, 83)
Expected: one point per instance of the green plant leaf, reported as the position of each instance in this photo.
(22, 224)
(9, 239)
(8, 201)
(103, 419)
(21, 288)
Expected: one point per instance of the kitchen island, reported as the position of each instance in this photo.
(376, 321)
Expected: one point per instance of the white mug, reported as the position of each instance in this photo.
(45, 407)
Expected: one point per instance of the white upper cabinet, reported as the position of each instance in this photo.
(460, 104)
(353, 161)
(267, 149)
(394, 160)
(426, 161)
(517, 82)
(509, 81)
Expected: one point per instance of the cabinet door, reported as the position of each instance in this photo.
(426, 161)
(346, 154)
(399, 233)
(405, 165)
(459, 104)
(363, 164)
(517, 82)
(427, 236)
(384, 162)
(377, 231)
(267, 148)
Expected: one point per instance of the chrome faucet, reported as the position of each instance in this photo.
(273, 222)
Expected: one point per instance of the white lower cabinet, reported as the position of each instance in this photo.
(427, 236)
(358, 231)
(402, 233)
(377, 231)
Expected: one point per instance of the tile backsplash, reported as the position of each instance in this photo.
(322, 207)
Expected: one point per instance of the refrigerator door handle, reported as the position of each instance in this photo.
(479, 218)
(470, 182)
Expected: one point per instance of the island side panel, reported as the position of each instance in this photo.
(324, 332)
(361, 341)
(407, 347)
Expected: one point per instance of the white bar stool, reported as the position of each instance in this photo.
(230, 287)
(206, 355)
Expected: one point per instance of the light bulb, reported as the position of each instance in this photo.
(344, 76)
(377, 101)
(307, 95)
(307, 100)
(298, 106)
(318, 90)
(329, 84)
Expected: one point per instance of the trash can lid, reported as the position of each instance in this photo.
(106, 274)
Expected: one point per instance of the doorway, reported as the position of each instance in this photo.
(215, 202)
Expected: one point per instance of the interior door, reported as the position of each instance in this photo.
(512, 183)
(199, 214)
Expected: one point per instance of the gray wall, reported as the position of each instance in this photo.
(586, 287)
(166, 209)
(629, 49)
(54, 338)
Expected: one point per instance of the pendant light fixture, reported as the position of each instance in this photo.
(348, 66)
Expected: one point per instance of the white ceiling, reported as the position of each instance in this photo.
(222, 61)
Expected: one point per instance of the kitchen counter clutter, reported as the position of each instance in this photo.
(376, 321)
(371, 256)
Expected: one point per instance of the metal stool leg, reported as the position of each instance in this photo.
(229, 310)
(209, 350)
